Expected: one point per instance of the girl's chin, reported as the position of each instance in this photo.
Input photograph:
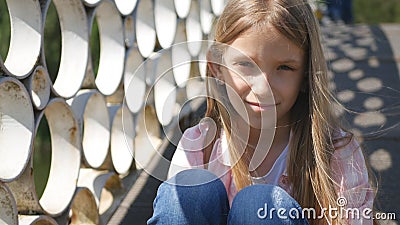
(265, 124)
(256, 120)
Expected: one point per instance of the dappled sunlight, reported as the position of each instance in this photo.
(373, 103)
(342, 65)
(346, 95)
(370, 119)
(371, 84)
(365, 79)
(356, 74)
(363, 74)
(380, 160)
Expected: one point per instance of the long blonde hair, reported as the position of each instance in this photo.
(309, 157)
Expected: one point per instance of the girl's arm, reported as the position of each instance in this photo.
(350, 172)
(189, 152)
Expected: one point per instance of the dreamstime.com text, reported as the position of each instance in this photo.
(332, 212)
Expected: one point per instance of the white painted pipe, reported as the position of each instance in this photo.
(8, 207)
(145, 27)
(150, 66)
(94, 180)
(83, 208)
(118, 96)
(147, 140)
(149, 99)
(122, 138)
(107, 165)
(26, 21)
(129, 31)
(202, 58)
(165, 89)
(147, 69)
(39, 86)
(211, 35)
(89, 81)
(112, 47)
(91, 3)
(181, 98)
(65, 163)
(194, 33)
(126, 7)
(165, 22)
(91, 112)
(17, 128)
(134, 81)
(74, 47)
(206, 16)
(182, 8)
(218, 6)
(195, 86)
(106, 187)
(180, 56)
(3, 68)
(36, 220)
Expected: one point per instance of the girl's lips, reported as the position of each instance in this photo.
(261, 105)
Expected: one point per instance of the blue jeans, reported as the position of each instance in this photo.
(199, 197)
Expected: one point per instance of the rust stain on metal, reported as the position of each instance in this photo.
(72, 134)
(38, 81)
(114, 184)
(10, 89)
(72, 131)
(9, 86)
(74, 217)
(6, 201)
(77, 5)
(129, 21)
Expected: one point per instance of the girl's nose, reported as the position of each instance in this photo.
(260, 86)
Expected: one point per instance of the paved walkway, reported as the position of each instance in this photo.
(365, 64)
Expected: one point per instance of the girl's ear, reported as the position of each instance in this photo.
(214, 66)
(215, 70)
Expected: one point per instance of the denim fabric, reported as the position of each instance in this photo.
(265, 204)
(197, 196)
(191, 197)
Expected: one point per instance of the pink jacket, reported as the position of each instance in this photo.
(347, 164)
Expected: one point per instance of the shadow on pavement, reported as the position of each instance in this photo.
(365, 75)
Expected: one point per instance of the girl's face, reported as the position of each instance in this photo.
(266, 77)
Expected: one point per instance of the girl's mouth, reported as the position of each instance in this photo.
(259, 106)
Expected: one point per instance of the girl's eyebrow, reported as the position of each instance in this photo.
(291, 60)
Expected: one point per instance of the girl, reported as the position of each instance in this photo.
(270, 149)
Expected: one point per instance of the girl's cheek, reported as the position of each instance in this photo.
(239, 84)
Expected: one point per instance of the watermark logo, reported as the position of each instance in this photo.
(341, 211)
(341, 201)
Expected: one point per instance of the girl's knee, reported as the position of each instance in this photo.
(192, 186)
(265, 193)
(191, 194)
(196, 185)
(193, 177)
(262, 204)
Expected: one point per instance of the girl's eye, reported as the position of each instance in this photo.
(285, 67)
(244, 64)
